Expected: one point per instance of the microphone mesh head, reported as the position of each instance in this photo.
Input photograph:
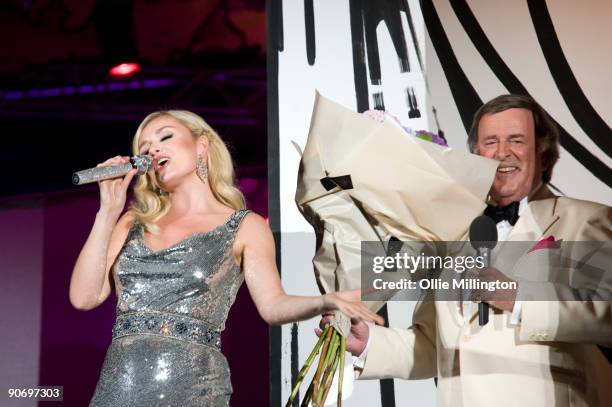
(142, 163)
(483, 233)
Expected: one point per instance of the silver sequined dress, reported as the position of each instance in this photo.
(172, 307)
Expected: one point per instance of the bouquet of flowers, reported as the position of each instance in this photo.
(367, 180)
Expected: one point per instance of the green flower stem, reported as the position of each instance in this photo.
(327, 364)
(329, 369)
(308, 395)
(341, 374)
(331, 352)
(330, 378)
(306, 367)
(322, 357)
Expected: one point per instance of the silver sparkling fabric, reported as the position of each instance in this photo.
(172, 306)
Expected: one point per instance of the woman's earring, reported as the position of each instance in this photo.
(202, 169)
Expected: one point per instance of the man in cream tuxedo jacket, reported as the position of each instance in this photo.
(531, 353)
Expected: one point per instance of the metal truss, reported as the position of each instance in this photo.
(224, 97)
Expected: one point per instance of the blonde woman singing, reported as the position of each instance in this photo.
(176, 259)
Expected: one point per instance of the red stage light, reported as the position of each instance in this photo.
(124, 70)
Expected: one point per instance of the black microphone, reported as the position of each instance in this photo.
(141, 162)
(483, 237)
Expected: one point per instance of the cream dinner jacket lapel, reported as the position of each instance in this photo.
(535, 221)
(537, 218)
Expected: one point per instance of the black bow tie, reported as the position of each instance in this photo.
(499, 213)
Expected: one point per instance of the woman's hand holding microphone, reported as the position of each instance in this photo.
(113, 191)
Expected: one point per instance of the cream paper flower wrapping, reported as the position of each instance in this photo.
(361, 180)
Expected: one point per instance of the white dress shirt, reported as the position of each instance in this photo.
(503, 231)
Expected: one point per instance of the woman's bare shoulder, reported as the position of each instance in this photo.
(253, 222)
(253, 228)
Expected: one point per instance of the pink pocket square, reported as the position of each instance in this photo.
(548, 243)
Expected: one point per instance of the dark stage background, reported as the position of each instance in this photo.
(61, 111)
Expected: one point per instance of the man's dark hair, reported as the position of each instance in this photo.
(546, 132)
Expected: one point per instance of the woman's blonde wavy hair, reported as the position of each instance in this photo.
(150, 203)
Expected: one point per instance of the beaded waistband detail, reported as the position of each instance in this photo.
(168, 325)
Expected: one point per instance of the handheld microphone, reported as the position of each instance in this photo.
(141, 162)
(483, 238)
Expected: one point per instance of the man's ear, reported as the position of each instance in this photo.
(543, 161)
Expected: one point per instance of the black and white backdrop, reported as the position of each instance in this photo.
(431, 63)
